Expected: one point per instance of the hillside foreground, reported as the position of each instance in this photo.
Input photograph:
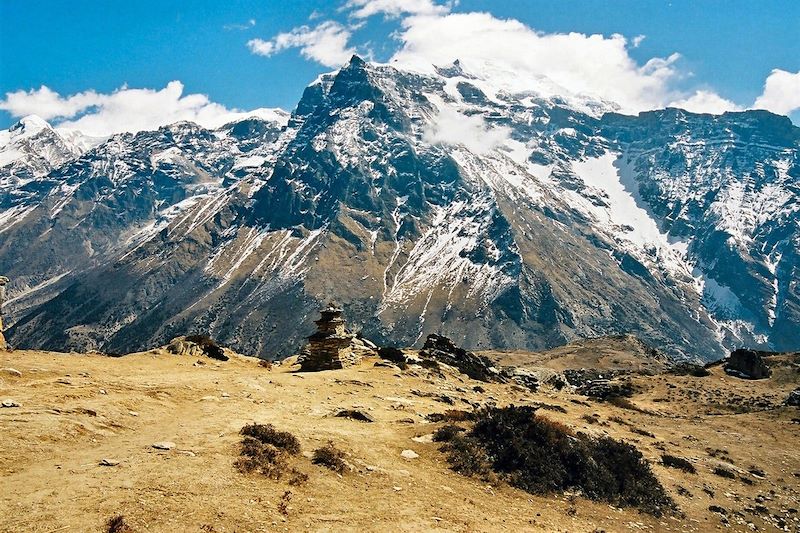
(77, 410)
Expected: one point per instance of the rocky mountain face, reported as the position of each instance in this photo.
(422, 203)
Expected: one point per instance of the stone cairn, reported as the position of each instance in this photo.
(3, 281)
(332, 347)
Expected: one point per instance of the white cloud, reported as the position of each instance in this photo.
(706, 102)
(99, 114)
(47, 103)
(394, 8)
(326, 43)
(781, 92)
(519, 58)
(451, 127)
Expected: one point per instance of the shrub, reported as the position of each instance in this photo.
(446, 433)
(724, 472)
(641, 432)
(264, 449)
(541, 456)
(451, 415)
(673, 461)
(267, 434)
(330, 457)
(117, 524)
(263, 458)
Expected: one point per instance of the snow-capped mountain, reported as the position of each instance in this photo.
(423, 202)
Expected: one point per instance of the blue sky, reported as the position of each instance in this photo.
(727, 49)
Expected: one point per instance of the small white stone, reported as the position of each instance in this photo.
(164, 445)
(8, 402)
(13, 372)
(409, 454)
(109, 462)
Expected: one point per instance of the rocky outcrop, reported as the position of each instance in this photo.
(196, 346)
(443, 350)
(747, 364)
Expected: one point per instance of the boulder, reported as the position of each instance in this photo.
(794, 398)
(746, 364)
(355, 414)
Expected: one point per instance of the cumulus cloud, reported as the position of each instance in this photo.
(451, 127)
(47, 103)
(131, 110)
(706, 102)
(519, 58)
(326, 43)
(781, 92)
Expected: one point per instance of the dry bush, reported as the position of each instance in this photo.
(541, 456)
(674, 461)
(264, 449)
(451, 415)
(724, 472)
(117, 524)
(330, 457)
(267, 434)
(447, 432)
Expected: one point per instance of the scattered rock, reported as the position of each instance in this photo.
(164, 445)
(355, 414)
(794, 398)
(10, 403)
(746, 364)
(109, 462)
(12, 372)
(604, 389)
(423, 438)
(409, 454)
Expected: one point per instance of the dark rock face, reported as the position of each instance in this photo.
(747, 364)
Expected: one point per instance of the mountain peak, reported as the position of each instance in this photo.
(30, 125)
